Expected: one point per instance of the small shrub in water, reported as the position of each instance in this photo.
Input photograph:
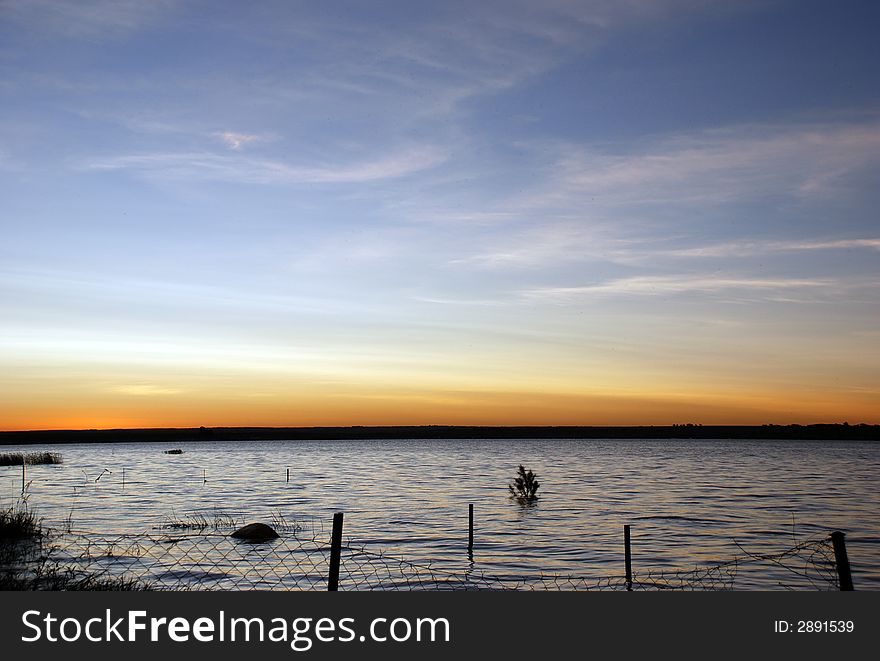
(525, 486)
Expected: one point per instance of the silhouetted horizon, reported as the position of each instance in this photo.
(816, 431)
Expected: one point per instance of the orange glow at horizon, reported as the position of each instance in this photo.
(456, 408)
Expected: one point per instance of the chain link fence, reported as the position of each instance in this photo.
(300, 560)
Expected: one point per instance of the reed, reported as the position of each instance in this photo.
(199, 521)
(19, 458)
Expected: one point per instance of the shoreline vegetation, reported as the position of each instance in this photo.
(27, 562)
(861, 432)
(31, 458)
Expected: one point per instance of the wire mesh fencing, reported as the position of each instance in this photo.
(809, 565)
(196, 561)
(300, 560)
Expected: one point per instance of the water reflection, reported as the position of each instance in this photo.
(687, 501)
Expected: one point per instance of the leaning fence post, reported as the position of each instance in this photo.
(471, 529)
(838, 540)
(335, 552)
(627, 554)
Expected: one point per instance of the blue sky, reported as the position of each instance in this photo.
(438, 212)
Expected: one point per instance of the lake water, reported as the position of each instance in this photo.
(689, 502)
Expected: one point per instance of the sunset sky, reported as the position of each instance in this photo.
(335, 213)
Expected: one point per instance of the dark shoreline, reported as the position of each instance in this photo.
(859, 432)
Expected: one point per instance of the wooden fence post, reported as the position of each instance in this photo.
(22, 475)
(838, 540)
(627, 554)
(335, 553)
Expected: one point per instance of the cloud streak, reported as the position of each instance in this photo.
(674, 284)
(722, 165)
(752, 248)
(238, 140)
(616, 207)
(87, 18)
(143, 390)
(210, 166)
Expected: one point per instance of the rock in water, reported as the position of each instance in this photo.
(255, 532)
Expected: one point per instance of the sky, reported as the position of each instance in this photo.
(340, 213)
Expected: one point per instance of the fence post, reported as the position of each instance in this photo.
(22, 475)
(838, 540)
(471, 529)
(288, 475)
(335, 552)
(627, 554)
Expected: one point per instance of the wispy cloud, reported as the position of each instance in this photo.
(86, 18)
(595, 203)
(751, 248)
(144, 390)
(673, 284)
(238, 140)
(233, 168)
(447, 60)
(721, 165)
(554, 243)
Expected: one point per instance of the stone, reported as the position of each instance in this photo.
(255, 532)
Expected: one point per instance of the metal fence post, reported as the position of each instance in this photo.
(471, 529)
(335, 553)
(838, 540)
(627, 558)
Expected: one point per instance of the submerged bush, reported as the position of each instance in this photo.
(525, 486)
(19, 458)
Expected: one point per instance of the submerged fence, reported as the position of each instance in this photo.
(310, 560)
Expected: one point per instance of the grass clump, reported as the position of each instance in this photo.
(199, 521)
(43, 574)
(30, 458)
(280, 522)
(18, 523)
(46, 575)
(21, 542)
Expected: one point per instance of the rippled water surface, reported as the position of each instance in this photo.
(688, 501)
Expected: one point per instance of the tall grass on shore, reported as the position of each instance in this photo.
(31, 458)
(19, 523)
(21, 541)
